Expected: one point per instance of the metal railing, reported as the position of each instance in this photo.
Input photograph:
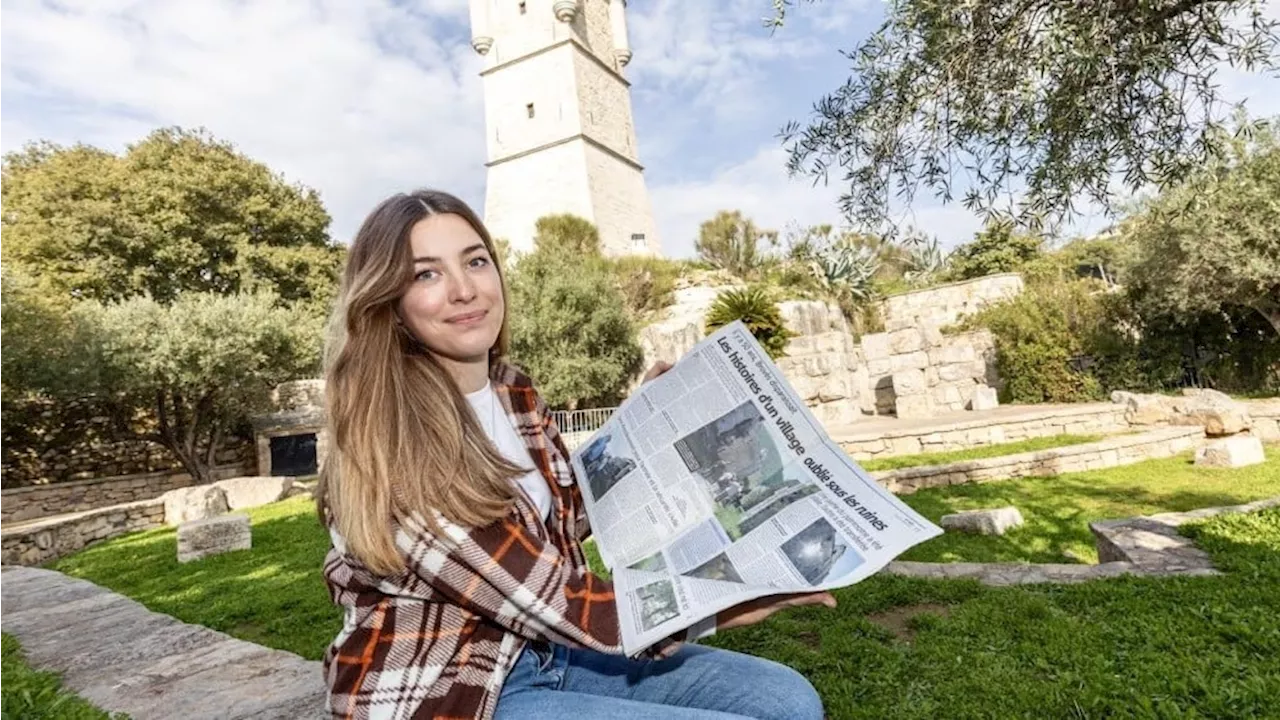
(585, 422)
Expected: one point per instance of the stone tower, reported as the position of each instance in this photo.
(558, 121)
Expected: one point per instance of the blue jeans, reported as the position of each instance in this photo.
(553, 682)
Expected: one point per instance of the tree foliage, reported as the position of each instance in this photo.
(731, 241)
(996, 249)
(1054, 99)
(178, 212)
(44, 349)
(568, 233)
(1214, 241)
(200, 365)
(570, 329)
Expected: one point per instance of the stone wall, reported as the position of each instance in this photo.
(1111, 452)
(945, 304)
(822, 362)
(919, 372)
(1007, 424)
(42, 541)
(1266, 419)
(53, 442)
(38, 501)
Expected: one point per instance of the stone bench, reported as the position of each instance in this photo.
(122, 657)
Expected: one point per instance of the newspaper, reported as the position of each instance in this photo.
(714, 484)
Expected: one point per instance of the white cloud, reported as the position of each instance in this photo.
(355, 99)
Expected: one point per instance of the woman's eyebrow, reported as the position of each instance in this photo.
(465, 251)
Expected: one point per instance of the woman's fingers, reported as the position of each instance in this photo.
(655, 370)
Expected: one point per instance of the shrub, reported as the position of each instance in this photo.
(758, 311)
(1039, 334)
(996, 249)
(732, 241)
(647, 283)
(570, 329)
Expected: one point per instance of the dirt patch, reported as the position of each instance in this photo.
(810, 638)
(898, 620)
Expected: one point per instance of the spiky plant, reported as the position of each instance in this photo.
(847, 271)
(757, 310)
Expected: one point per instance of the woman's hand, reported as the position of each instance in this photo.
(754, 611)
(657, 369)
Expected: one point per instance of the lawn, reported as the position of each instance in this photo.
(896, 647)
(31, 694)
(1058, 509)
(976, 453)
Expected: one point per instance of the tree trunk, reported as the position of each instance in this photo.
(178, 434)
(1271, 313)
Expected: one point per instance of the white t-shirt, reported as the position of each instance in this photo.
(497, 424)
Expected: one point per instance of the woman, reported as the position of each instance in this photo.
(456, 521)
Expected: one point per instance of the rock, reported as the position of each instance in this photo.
(247, 492)
(984, 398)
(199, 502)
(202, 538)
(984, 522)
(1121, 397)
(905, 341)
(1231, 452)
(1215, 411)
(1148, 409)
(914, 406)
(908, 382)
(875, 346)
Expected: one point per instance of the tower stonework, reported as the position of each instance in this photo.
(558, 121)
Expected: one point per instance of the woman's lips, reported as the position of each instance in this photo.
(470, 318)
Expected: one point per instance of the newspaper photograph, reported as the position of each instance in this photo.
(714, 484)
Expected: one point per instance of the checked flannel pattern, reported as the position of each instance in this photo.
(437, 640)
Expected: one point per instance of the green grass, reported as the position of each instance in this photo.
(1058, 510)
(1123, 648)
(895, 647)
(37, 695)
(272, 594)
(978, 453)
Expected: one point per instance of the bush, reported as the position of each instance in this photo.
(731, 241)
(1039, 334)
(570, 329)
(647, 283)
(996, 249)
(758, 311)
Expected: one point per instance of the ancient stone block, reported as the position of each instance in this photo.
(247, 492)
(1231, 452)
(876, 346)
(985, 522)
(918, 360)
(915, 406)
(955, 372)
(193, 503)
(202, 538)
(984, 398)
(908, 382)
(905, 341)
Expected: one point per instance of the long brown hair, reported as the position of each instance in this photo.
(403, 440)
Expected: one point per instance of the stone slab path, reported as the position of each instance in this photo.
(122, 657)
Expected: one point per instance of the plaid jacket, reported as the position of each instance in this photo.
(438, 639)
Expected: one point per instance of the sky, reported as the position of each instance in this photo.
(363, 99)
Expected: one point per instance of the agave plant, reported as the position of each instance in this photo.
(925, 259)
(847, 271)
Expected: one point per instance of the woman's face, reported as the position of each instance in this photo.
(454, 303)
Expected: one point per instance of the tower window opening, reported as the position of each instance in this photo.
(523, 8)
(529, 109)
(637, 240)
